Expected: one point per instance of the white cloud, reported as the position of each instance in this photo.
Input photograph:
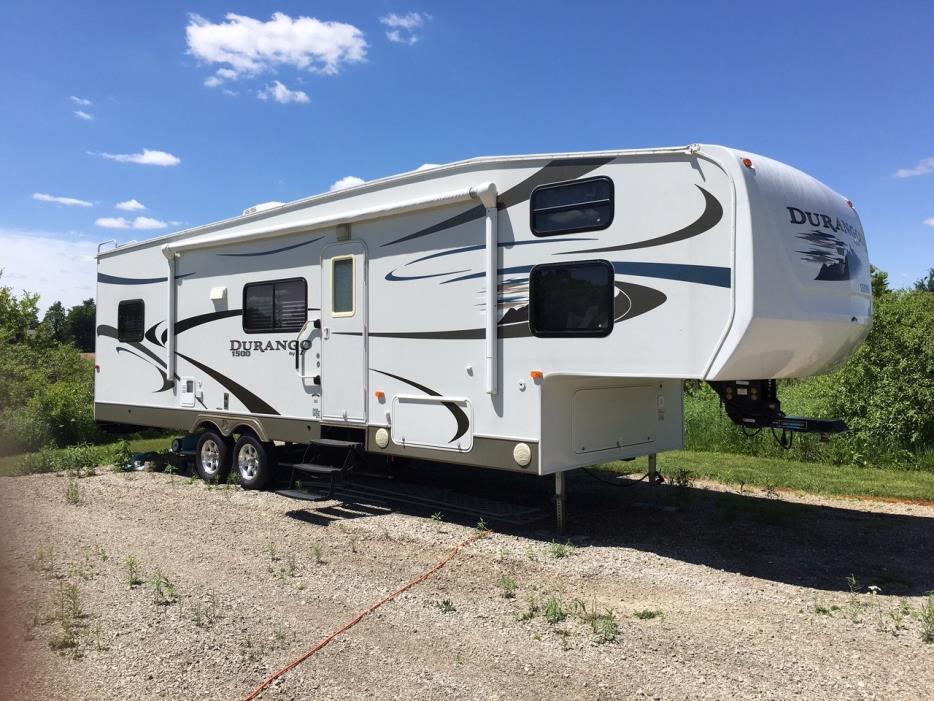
(148, 223)
(925, 166)
(81, 114)
(112, 223)
(140, 223)
(402, 28)
(67, 201)
(146, 158)
(347, 181)
(80, 101)
(244, 46)
(281, 94)
(929, 221)
(58, 269)
(131, 205)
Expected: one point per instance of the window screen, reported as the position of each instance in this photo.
(342, 286)
(580, 205)
(130, 320)
(571, 299)
(276, 306)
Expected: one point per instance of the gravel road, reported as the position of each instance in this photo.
(737, 594)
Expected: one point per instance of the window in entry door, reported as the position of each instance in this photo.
(342, 286)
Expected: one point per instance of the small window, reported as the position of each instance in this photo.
(579, 205)
(571, 299)
(130, 320)
(277, 306)
(342, 286)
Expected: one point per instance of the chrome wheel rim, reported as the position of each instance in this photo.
(248, 461)
(210, 456)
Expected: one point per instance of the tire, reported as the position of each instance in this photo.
(255, 461)
(212, 457)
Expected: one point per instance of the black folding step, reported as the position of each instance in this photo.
(335, 443)
(313, 469)
(302, 494)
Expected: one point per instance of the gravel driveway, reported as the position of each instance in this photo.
(713, 593)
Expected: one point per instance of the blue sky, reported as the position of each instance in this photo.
(844, 91)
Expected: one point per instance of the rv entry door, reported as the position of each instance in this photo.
(343, 333)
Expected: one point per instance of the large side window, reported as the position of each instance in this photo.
(131, 320)
(571, 299)
(579, 205)
(276, 306)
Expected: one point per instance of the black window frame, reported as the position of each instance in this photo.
(126, 338)
(274, 328)
(611, 200)
(574, 333)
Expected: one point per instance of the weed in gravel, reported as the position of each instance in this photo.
(531, 611)
(204, 616)
(821, 609)
(162, 590)
(279, 638)
(68, 613)
(509, 586)
(648, 614)
(44, 561)
(553, 611)
(560, 550)
(133, 571)
(926, 617)
(191, 481)
(437, 518)
(898, 616)
(770, 492)
(446, 606)
(72, 493)
(287, 570)
(273, 551)
(122, 457)
(100, 552)
(682, 478)
(482, 526)
(531, 554)
(317, 554)
(605, 628)
(564, 635)
(854, 605)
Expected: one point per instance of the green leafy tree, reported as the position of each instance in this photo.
(18, 315)
(81, 325)
(880, 281)
(55, 323)
(926, 284)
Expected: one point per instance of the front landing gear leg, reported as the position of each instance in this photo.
(560, 499)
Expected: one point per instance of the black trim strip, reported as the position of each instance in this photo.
(709, 218)
(556, 170)
(463, 422)
(269, 253)
(193, 321)
(253, 403)
(114, 280)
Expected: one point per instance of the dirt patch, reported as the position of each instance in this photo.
(713, 594)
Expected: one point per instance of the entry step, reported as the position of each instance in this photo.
(335, 443)
(302, 494)
(313, 469)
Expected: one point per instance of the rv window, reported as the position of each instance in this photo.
(342, 286)
(571, 299)
(579, 205)
(277, 306)
(130, 321)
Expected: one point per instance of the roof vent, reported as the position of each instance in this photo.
(262, 207)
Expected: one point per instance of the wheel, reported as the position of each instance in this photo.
(255, 461)
(212, 457)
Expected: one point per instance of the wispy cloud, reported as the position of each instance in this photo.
(141, 223)
(131, 206)
(347, 181)
(403, 29)
(929, 221)
(925, 166)
(56, 267)
(80, 101)
(244, 46)
(146, 157)
(67, 201)
(281, 94)
(81, 114)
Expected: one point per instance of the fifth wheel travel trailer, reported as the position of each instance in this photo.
(531, 313)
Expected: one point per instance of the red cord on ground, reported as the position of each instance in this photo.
(363, 614)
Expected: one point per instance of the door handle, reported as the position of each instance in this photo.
(327, 334)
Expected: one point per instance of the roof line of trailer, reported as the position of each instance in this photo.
(381, 182)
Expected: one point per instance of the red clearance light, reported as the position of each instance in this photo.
(97, 368)
(747, 162)
(850, 203)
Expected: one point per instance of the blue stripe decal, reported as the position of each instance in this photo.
(701, 274)
(269, 253)
(114, 280)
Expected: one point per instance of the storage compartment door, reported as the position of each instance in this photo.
(612, 417)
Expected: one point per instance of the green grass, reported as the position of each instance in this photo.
(780, 473)
(10, 464)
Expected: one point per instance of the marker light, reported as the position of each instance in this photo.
(850, 203)
(536, 374)
(748, 163)
(380, 394)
